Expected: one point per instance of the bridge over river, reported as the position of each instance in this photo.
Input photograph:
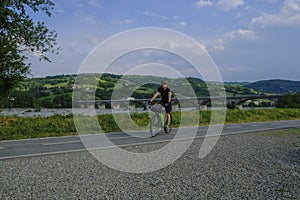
(200, 102)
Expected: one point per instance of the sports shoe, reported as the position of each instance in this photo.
(166, 129)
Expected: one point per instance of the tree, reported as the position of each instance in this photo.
(290, 101)
(20, 36)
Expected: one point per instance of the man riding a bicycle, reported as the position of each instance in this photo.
(166, 98)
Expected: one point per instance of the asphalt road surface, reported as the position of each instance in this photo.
(56, 145)
(249, 161)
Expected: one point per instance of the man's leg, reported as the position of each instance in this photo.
(168, 119)
(167, 127)
(168, 111)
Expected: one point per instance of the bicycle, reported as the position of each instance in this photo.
(158, 119)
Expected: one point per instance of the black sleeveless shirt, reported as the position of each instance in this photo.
(164, 94)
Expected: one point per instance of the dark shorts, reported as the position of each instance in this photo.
(167, 108)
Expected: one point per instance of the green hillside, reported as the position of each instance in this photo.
(56, 91)
(275, 86)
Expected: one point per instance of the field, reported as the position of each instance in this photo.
(33, 127)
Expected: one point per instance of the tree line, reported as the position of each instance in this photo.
(290, 101)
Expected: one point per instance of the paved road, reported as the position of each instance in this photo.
(55, 145)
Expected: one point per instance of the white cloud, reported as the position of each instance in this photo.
(175, 19)
(183, 23)
(240, 34)
(93, 40)
(232, 69)
(89, 3)
(224, 5)
(288, 15)
(94, 3)
(173, 45)
(59, 11)
(217, 46)
(247, 34)
(268, 1)
(227, 5)
(203, 3)
(85, 18)
(126, 21)
(150, 13)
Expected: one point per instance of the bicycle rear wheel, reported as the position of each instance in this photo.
(155, 125)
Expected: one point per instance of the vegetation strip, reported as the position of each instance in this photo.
(13, 127)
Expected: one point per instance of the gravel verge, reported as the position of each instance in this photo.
(245, 166)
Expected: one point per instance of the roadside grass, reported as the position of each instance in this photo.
(12, 127)
(284, 132)
(261, 115)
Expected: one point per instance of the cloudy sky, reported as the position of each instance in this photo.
(248, 40)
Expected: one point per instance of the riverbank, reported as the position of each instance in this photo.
(48, 112)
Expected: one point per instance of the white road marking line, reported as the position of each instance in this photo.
(110, 137)
(33, 139)
(1, 148)
(231, 127)
(294, 122)
(79, 141)
(41, 154)
(137, 144)
(57, 143)
(69, 136)
(255, 125)
(128, 136)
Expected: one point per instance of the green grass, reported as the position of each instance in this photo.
(283, 133)
(32, 127)
(57, 85)
(261, 115)
(13, 127)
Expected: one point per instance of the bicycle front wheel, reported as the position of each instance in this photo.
(155, 125)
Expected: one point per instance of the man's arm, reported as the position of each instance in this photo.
(154, 96)
(169, 97)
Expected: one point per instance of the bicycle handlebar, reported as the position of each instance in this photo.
(157, 108)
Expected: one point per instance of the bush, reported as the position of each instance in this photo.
(290, 101)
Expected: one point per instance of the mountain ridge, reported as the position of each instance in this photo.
(279, 86)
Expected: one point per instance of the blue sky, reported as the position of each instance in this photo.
(248, 40)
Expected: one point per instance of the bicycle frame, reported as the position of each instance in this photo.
(159, 117)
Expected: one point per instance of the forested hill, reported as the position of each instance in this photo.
(56, 91)
(275, 86)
